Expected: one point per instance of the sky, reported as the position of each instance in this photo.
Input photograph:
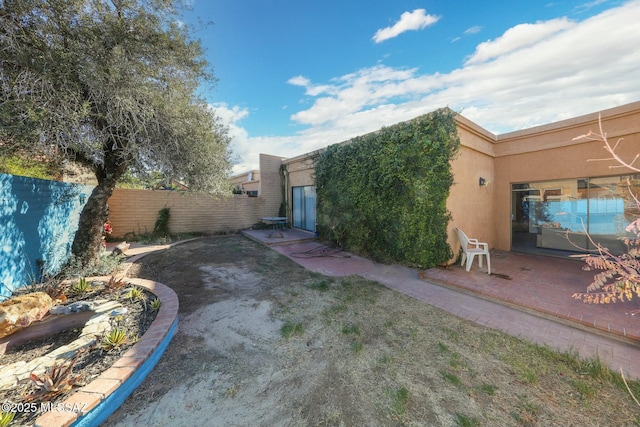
(298, 75)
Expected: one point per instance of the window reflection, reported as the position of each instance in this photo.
(573, 215)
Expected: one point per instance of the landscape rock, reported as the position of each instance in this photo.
(19, 312)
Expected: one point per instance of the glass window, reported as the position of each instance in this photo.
(304, 207)
(573, 215)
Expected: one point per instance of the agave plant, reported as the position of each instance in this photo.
(156, 304)
(80, 287)
(114, 284)
(134, 294)
(115, 338)
(55, 381)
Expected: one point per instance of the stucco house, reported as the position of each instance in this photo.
(520, 191)
(246, 183)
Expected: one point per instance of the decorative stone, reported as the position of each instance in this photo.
(119, 311)
(19, 312)
(74, 307)
(99, 324)
(120, 248)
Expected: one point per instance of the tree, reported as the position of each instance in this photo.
(113, 85)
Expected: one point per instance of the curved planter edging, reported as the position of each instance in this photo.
(93, 403)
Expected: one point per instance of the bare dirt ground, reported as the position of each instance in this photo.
(263, 342)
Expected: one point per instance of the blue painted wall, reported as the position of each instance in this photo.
(38, 219)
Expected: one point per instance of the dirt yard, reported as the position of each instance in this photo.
(263, 342)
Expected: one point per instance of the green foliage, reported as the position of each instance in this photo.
(161, 227)
(24, 166)
(290, 329)
(114, 86)
(155, 304)
(134, 294)
(384, 194)
(6, 418)
(488, 389)
(350, 328)
(451, 377)
(465, 421)
(104, 266)
(115, 338)
(80, 287)
(399, 401)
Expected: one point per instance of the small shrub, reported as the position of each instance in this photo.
(134, 294)
(105, 266)
(80, 287)
(114, 284)
(155, 304)
(115, 338)
(161, 227)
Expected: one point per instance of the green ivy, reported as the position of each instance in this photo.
(161, 227)
(384, 194)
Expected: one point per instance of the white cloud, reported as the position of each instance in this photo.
(530, 75)
(589, 5)
(409, 21)
(562, 69)
(299, 81)
(473, 30)
(518, 37)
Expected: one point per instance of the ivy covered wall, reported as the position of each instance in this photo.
(384, 194)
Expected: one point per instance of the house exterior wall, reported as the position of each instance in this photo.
(248, 181)
(270, 184)
(550, 152)
(299, 171)
(471, 205)
(543, 153)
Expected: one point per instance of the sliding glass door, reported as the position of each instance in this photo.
(304, 208)
(573, 215)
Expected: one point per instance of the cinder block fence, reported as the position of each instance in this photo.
(137, 210)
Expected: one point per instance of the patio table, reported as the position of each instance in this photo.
(277, 222)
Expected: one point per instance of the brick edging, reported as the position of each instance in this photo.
(80, 403)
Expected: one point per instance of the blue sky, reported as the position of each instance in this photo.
(298, 75)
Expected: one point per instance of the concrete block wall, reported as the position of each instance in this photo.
(137, 210)
(270, 184)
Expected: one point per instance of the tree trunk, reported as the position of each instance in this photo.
(88, 238)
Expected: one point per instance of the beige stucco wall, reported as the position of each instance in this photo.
(550, 152)
(471, 205)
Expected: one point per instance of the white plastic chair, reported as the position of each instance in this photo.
(471, 248)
